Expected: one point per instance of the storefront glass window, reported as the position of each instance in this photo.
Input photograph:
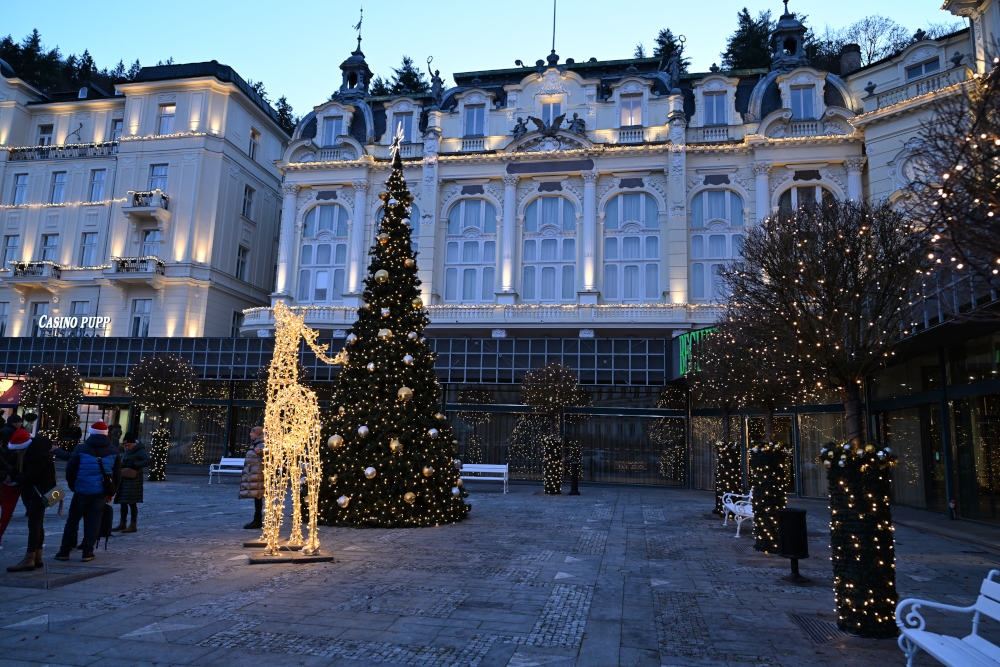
(816, 432)
(974, 360)
(914, 435)
(910, 377)
(977, 457)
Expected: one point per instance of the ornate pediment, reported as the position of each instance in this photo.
(536, 142)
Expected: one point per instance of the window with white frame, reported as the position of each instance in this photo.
(4, 315)
(248, 194)
(165, 118)
(717, 219)
(631, 249)
(50, 247)
(142, 313)
(57, 195)
(917, 71)
(804, 195)
(475, 115)
(97, 180)
(471, 252)
(88, 249)
(116, 129)
(548, 251)
(404, 120)
(20, 194)
(39, 310)
(79, 308)
(631, 110)
(11, 244)
(414, 216)
(803, 102)
(45, 135)
(332, 128)
(323, 254)
(151, 239)
(551, 111)
(242, 259)
(158, 177)
(715, 109)
(254, 143)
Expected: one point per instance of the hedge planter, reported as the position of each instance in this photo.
(769, 472)
(727, 472)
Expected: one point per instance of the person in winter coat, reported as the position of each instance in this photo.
(134, 459)
(115, 433)
(30, 466)
(9, 490)
(85, 472)
(252, 482)
(13, 423)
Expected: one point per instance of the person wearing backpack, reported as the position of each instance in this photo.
(93, 474)
(30, 467)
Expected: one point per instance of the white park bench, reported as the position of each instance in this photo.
(486, 469)
(227, 466)
(969, 651)
(740, 506)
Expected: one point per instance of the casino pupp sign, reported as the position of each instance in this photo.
(73, 325)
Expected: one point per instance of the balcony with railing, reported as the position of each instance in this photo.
(947, 296)
(147, 204)
(134, 269)
(43, 269)
(102, 149)
(916, 88)
(631, 135)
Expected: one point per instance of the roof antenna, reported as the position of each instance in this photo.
(553, 26)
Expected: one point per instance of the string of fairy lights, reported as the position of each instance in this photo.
(552, 465)
(769, 470)
(161, 383)
(728, 477)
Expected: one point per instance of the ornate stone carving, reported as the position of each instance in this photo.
(308, 156)
(166, 97)
(290, 189)
(361, 184)
(855, 165)
(835, 128)
(590, 177)
(761, 169)
(778, 132)
(118, 113)
(510, 180)
(531, 189)
(549, 144)
(551, 83)
(740, 178)
(609, 185)
(831, 175)
(780, 179)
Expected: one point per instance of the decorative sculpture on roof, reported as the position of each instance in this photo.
(577, 125)
(674, 72)
(520, 128)
(548, 130)
(437, 83)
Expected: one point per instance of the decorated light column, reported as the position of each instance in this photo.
(589, 294)
(854, 166)
(356, 258)
(507, 295)
(285, 241)
(761, 172)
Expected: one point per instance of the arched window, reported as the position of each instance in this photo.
(414, 224)
(631, 248)
(716, 237)
(802, 195)
(323, 254)
(548, 251)
(471, 252)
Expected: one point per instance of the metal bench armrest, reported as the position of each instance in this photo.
(912, 619)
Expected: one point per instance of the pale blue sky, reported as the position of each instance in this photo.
(295, 46)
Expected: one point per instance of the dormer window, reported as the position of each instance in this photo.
(475, 116)
(551, 111)
(715, 109)
(404, 120)
(82, 94)
(332, 128)
(920, 70)
(803, 103)
(631, 111)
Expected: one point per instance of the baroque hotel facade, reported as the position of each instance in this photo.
(574, 211)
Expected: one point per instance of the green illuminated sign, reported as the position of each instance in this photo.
(685, 344)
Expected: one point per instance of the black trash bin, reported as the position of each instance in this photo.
(793, 540)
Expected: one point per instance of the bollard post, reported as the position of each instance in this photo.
(574, 479)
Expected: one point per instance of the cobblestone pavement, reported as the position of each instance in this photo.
(616, 576)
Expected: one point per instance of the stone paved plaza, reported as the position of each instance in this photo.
(616, 576)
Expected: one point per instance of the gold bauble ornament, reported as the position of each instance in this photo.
(382, 275)
(439, 416)
(382, 194)
(335, 440)
(408, 360)
(384, 334)
(366, 306)
(457, 492)
(332, 480)
(396, 446)
(406, 222)
(409, 263)
(459, 482)
(869, 448)
(404, 393)
(827, 464)
(417, 302)
(410, 497)
(341, 409)
(370, 472)
(342, 501)
(383, 238)
(351, 339)
(412, 335)
(428, 471)
(385, 312)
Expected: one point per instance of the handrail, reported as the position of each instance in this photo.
(98, 149)
(148, 264)
(43, 269)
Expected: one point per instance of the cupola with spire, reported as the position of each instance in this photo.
(788, 43)
(356, 76)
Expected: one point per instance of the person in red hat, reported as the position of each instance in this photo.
(30, 467)
(91, 462)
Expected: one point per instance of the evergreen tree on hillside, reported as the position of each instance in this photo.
(379, 87)
(408, 79)
(748, 47)
(286, 116)
(390, 459)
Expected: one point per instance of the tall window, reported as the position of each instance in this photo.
(242, 259)
(58, 193)
(11, 244)
(323, 254)
(471, 252)
(116, 129)
(803, 103)
(158, 177)
(254, 144)
(405, 121)
(803, 195)
(97, 179)
(4, 315)
(551, 111)
(716, 236)
(631, 110)
(237, 323)
(165, 119)
(142, 310)
(332, 128)
(44, 135)
(38, 310)
(20, 190)
(88, 249)
(631, 249)
(474, 120)
(248, 193)
(50, 247)
(715, 109)
(923, 68)
(151, 239)
(79, 308)
(548, 251)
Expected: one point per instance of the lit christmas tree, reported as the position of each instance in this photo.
(390, 457)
